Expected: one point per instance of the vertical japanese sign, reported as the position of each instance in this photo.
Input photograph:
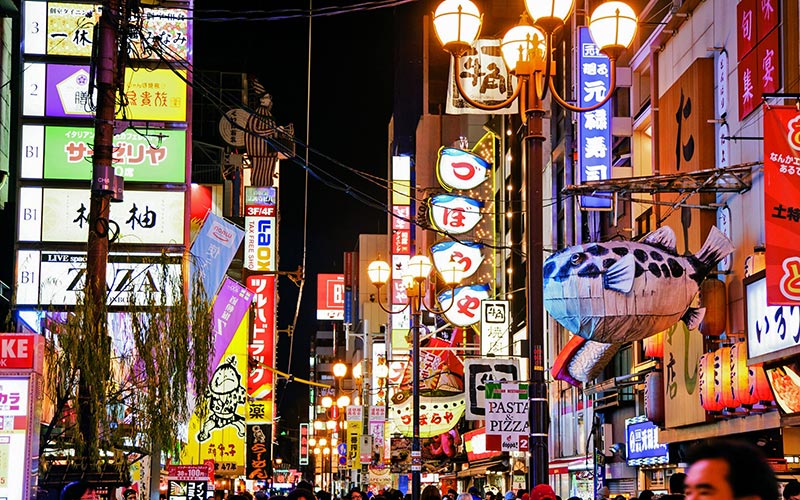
(304, 448)
(682, 351)
(484, 77)
(261, 228)
(758, 49)
(594, 131)
(21, 359)
(262, 348)
(507, 427)
(259, 451)
(220, 434)
(230, 307)
(495, 323)
(781, 206)
(354, 429)
(377, 429)
(213, 251)
(330, 296)
(401, 245)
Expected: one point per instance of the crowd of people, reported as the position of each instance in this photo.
(718, 470)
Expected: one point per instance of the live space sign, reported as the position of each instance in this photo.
(17, 351)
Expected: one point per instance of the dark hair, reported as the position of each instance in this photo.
(677, 483)
(646, 495)
(748, 471)
(574, 498)
(301, 493)
(74, 490)
(791, 489)
(430, 492)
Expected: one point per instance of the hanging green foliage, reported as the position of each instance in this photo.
(118, 390)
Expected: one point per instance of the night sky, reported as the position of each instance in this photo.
(351, 103)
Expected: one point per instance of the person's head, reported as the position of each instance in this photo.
(464, 496)
(129, 494)
(78, 490)
(542, 492)
(301, 494)
(619, 497)
(473, 490)
(521, 492)
(430, 492)
(356, 494)
(509, 496)
(677, 483)
(604, 492)
(574, 498)
(646, 495)
(728, 470)
(792, 490)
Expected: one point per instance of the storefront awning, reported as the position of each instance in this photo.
(565, 465)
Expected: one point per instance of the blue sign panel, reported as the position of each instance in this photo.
(641, 443)
(594, 130)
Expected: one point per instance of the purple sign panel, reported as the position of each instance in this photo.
(67, 91)
(228, 311)
(594, 132)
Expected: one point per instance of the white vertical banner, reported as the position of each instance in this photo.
(484, 78)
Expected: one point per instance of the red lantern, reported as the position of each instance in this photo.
(654, 397)
(759, 385)
(740, 376)
(707, 373)
(654, 346)
(723, 364)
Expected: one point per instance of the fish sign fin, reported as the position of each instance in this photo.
(693, 317)
(663, 237)
(619, 277)
(716, 247)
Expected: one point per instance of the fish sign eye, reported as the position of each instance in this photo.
(577, 259)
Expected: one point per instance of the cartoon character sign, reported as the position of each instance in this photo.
(620, 291)
(225, 395)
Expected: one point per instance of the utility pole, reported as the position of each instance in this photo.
(104, 184)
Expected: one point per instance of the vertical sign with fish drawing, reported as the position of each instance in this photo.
(682, 351)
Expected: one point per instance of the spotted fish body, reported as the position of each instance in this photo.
(620, 291)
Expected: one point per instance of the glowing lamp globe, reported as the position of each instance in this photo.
(343, 401)
(419, 266)
(613, 26)
(549, 14)
(457, 24)
(521, 44)
(379, 272)
(451, 272)
(339, 370)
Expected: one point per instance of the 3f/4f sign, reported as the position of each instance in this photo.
(260, 229)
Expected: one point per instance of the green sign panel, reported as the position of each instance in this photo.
(139, 156)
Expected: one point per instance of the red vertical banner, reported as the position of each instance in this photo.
(262, 345)
(782, 203)
(746, 25)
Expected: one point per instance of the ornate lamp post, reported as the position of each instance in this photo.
(527, 50)
(417, 273)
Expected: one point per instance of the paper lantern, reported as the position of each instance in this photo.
(654, 346)
(740, 376)
(714, 297)
(723, 364)
(707, 386)
(759, 385)
(654, 397)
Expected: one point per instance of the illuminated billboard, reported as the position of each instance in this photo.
(62, 215)
(260, 228)
(56, 152)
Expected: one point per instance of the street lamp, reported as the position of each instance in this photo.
(417, 272)
(527, 51)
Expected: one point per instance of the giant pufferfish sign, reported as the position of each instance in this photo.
(620, 291)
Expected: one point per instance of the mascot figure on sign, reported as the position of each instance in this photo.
(225, 394)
